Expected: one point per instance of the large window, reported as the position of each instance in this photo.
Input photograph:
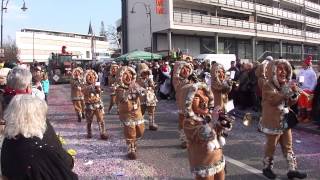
(244, 49)
(207, 45)
(266, 48)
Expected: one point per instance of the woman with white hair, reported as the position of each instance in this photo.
(29, 150)
(19, 81)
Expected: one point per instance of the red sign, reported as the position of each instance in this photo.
(160, 6)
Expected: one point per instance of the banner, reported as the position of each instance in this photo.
(160, 6)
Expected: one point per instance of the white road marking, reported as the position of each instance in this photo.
(245, 166)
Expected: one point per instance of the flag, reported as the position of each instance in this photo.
(90, 29)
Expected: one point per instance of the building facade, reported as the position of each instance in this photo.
(251, 29)
(37, 45)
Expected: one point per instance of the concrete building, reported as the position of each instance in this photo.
(35, 44)
(251, 29)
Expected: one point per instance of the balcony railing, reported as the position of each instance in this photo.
(276, 12)
(299, 2)
(314, 21)
(311, 5)
(211, 20)
(190, 19)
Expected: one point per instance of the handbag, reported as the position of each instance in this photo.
(291, 119)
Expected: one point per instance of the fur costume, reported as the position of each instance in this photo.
(260, 72)
(276, 100)
(204, 138)
(220, 88)
(93, 102)
(148, 98)
(76, 92)
(178, 83)
(128, 100)
(113, 84)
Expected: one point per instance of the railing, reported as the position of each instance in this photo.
(211, 20)
(249, 6)
(278, 29)
(299, 2)
(228, 22)
(312, 35)
(235, 3)
(312, 5)
(314, 21)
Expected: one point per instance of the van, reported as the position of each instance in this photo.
(223, 59)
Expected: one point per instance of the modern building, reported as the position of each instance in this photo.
(37, 45)
(251, 29)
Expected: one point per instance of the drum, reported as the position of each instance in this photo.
(305, 106)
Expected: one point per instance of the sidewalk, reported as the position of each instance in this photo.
(310, 127)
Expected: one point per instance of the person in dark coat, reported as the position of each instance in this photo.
(316, 102)
(19, 82)
(29, 150)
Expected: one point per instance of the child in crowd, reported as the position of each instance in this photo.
(45, 85)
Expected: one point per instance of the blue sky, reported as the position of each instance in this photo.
(60, 15)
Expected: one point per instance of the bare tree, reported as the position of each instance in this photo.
(113, 36)
(11, 51)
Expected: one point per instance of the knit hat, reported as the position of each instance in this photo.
(308, 60)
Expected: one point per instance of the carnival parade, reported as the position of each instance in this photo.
(164, 90)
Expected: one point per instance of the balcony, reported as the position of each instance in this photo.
(214, 23)
(260, 9)
(297, 2)
(313, 21)
(262, 30)
(312, 6)
(268, 10)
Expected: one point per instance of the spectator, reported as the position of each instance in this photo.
(46, 85)
(165, 81)
(309, 76)
(235, 69)
(19, 82)
(308, 80)
(245, 87)
(316, 102)
(26, 152)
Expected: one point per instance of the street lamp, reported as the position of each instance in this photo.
(5, 7)
(148, 12)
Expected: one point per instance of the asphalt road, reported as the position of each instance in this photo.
(159, 154)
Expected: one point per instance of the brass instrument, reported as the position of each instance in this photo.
(234, 83)
(247, 119)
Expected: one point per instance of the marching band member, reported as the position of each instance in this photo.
(220, 86)
(277, 96)
(76, 92)
(204, 133)
(128, 99)
(180, 79)
(113, 83)
(148, 99)
(94, 105)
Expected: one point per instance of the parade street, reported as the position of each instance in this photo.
(159, 153)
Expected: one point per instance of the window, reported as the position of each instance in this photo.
(87, 54)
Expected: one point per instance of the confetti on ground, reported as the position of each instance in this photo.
(95, 157)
